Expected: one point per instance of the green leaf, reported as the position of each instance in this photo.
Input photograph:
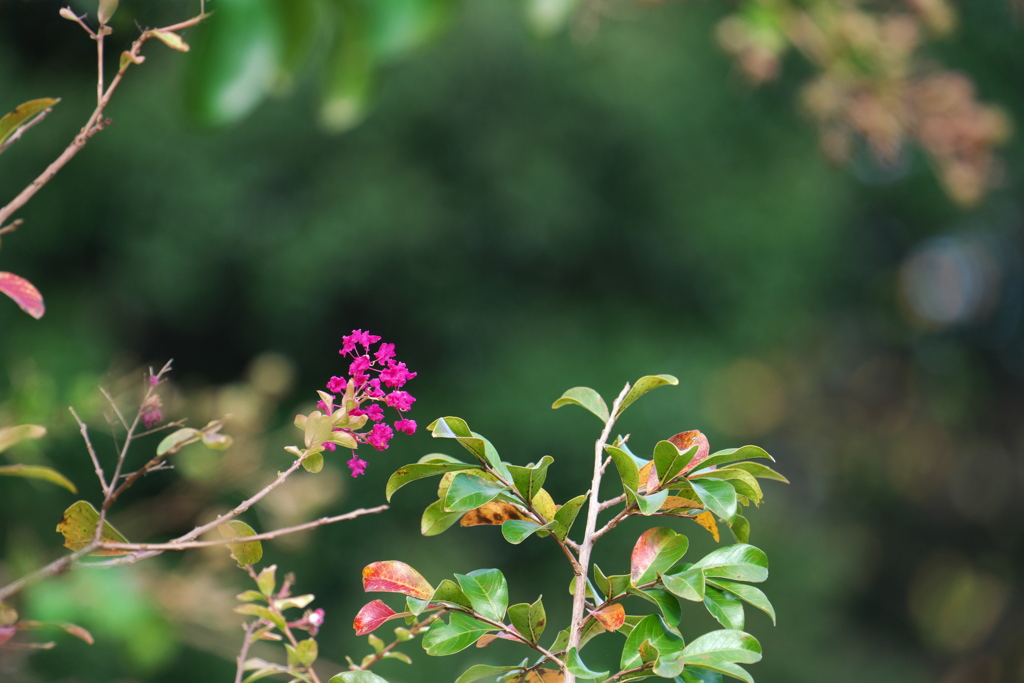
(699, 675)
(106, 10)
(529, 620)
(249, 596)
(456, 428)
(656, 551)
(734, 454)
(728, 668)
(245, 552)
(10, 436)
(487, 591)
(455, 636)
(565, 517)
(449, 591)
(585, 397)
(740, 527)
(717, 495)
(299, 22)
(649, 628)
(177, 440)
(10, 123)
(666, 602)
(530, 480)
(687, 584)
(437, 520)
(78, 526)
(575, 665)
(266, 581)
(739, 562)
(516, 531)
(357, 677)
(313, 463)
(744, 482)
(629, 473)
(235, 62)
(263, 613)
(38, 472)
(760, 471)
(468, 493)
(650, 504)
(409, 473)
(475, 673)
(610, 586)
(306, 652)
(642, 386)
(725, 607)
(728, 645)
(749, 594)
(669, 461)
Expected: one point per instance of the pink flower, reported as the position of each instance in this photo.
(400, 400)
(316, 618)
(356, 465)
(406, 426)
(385, 352)
(329, 445)
(154, 380)
(379, 437)
(396, 374)
(320, 405)
(373, 390)
(150, 411)
(358, 369)
(337, 385)
(357, 337)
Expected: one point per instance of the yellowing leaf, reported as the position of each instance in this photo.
(494, 512)
(707, 520)
(12, 435)
(38, 472)
(396, 577)
(78, 526)
(244, 552)
(611, 617)
(170, 39)
(21, 115)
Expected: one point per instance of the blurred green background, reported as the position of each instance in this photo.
(521, 216)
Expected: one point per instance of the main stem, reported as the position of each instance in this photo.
(579, 599)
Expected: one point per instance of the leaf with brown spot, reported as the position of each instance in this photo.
(488, 638)
(707, 520)
(14, 120)
(396, 577)
(611, 617)
(494, 512)
(78, 526)
(541, 676)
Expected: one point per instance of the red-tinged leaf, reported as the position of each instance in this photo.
(648, 478)
(24, 294)
(611, 617)
(655, 551)
(372, 615)
(395, 577)
(685, 440)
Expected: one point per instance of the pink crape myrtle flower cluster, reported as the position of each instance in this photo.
(376, 378)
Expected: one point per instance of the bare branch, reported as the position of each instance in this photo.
(92, 452)
(58, 566)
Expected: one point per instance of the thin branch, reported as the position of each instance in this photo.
(113, 404)
(611, 503)
(258, 537)
(58, 566)
(512, 632)
(250, 628)
(21, 131)
(11, 227)
(580, 597)
(92, 452)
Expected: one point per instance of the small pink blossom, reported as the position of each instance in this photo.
(150, 411)
(374, 412)
(321, 406)
(358, 369)
(373, 389)
(379, 437)
(401, 400)
(337, 385)
(329, 445)
(406, 426)
(384, 352)
(154, 379)
(396, 374)
(357, 465)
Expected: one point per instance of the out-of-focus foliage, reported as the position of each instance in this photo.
(522, 216)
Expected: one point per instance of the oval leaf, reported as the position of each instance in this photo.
(493, 513)
(725, 607)
(24, 294)
(642, 386)
(585, 397)
(21, 115)
(78, 526)
(395, 577)
(371, 616)
(612, 617)
(357, 677)
(459, 633)
(177, 440)
(244, 552)
(655, 551)
(739, 562)
(727, 645)
(687, 440)
(416, 471)
(575, 665)
(717, 495)
(487, 591)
